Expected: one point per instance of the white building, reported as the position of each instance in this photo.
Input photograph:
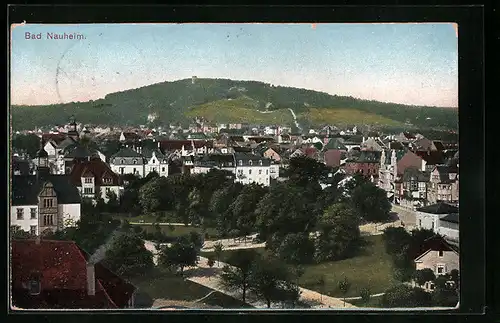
(128, 161)
(43, 202)
(441, 218)
(156, 161)
(439, 256)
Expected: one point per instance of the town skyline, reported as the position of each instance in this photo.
(414, 64)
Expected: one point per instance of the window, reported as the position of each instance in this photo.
(440, 252)
(163, 169)
(34, 287)
(33, 230)
(88, 180)
(420, 223)
(154, 161)
(20, 213)
(106, 180)
(440, 269)
(249, 171)
(432, 227)
(48, 219)
(260, 171)
(431, 287)
(33, 213)
(250, 162)
(47, 203)
(88, 190)
(121, 170)
(240, 171)
(135, 161)
(260, 162)
(267, 172)
(135, 170)
(122, 161)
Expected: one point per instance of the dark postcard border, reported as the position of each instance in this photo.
(471, 116)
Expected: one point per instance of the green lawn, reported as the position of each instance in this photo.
(178, 230)
(372, 302)
(162, 284)
(146, 218)
(372, 268)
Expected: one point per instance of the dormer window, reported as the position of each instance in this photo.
(88, 180)
(240, 162)
(260, 162)
(122, 161)
(250, 162)
(106, 180)
(135, 161)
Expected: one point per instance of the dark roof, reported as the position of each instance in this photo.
(261, 139)
(411, 172)
(94, 168)
(81, 152)
(148, 153)
(21, 165)
(126, 152)
(439, 145)
(68, 141)
(431, 157)
(215, 160)
(56, 137)
(61, 268)
(444, 172)
(248, 159)
(452, 217)
(335, 143)
(25, 189)
(242, 149)
(396, 145)
(170, 145)
(131, 135)
(439, 208)
(435, 243)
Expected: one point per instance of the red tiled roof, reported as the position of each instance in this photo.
(96, 168)
(310, 151)
(61, 266)
(332, 157)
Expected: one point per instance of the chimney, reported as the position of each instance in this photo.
(90, 279)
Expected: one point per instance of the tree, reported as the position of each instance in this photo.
(218, 248)
(179, 255)
(219, 206)
(284, 210)
(444, 295)
(396, 239)
(424, 275)
(365, 295)
(371, 202)
(271, 281)
(237, 276)
(155, 195)
(295, 248)
(406, 296)
(243, 208)
(196, 239)
(17, 233)
(338, 233)
(128, 256)
(344, 286)
(303, 170)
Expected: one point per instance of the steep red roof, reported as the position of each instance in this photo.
(61, 269)
(332, 157)
(96, 168)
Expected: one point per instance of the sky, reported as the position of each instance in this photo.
(414, 64)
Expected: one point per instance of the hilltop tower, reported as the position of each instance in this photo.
(193, 79)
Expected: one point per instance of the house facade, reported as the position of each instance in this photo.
(439, 218)
(95, 179)
(439, 256)
(43, 202)
(443, 184)
(156, 161)
(128, 161)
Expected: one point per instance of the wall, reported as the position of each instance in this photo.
(252, 175)
(430, 260)
(428, 221)
(26, 222)
(128, 169)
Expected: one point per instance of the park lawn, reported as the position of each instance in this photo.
(162, 284)
(372, 302)
(226, 253)
(178, 230)
(372, 269)
(146, 218)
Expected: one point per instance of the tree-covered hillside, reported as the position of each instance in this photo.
(173, 101)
